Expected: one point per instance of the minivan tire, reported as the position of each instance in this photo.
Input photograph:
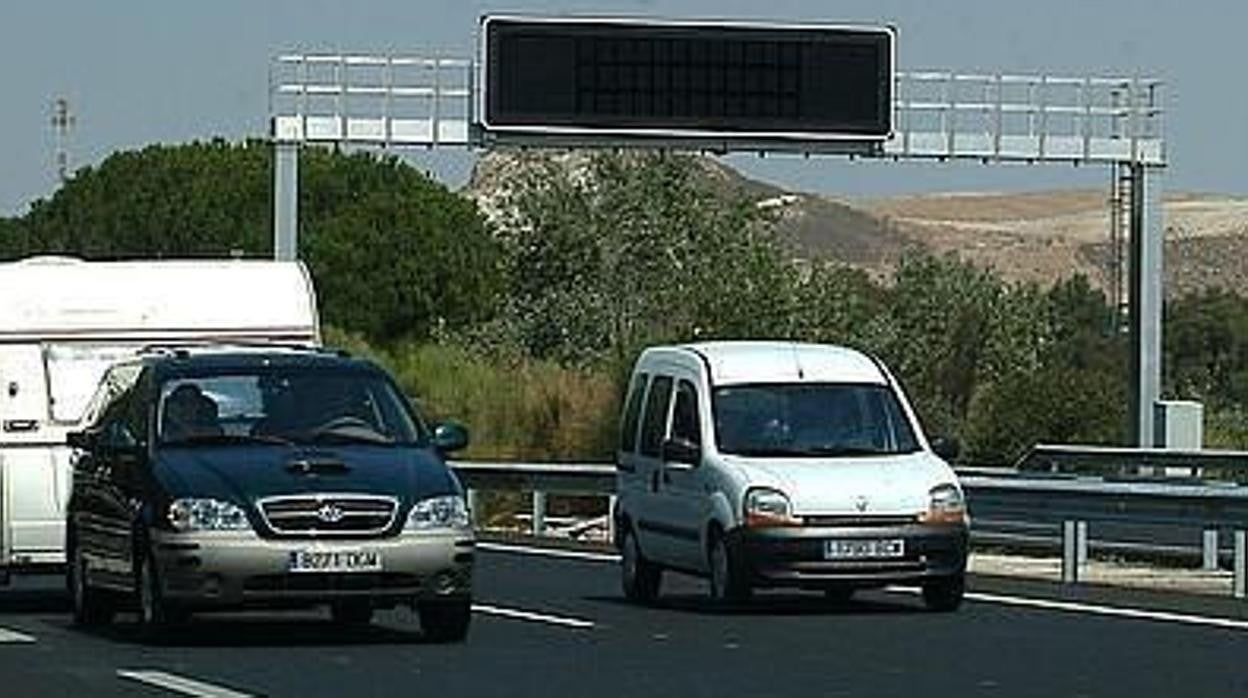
(639, 577)
(156, 615)
(945, 594)
(445, 621)
(91, 607)
(351, 613)
(729, 584)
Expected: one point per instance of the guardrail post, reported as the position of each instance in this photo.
(1209, 550)
(471, 496)
(1241, 563)
(1070, 550)
(539, 513)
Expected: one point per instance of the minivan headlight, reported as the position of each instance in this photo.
(767, 507)
(201, 514)
(447, 511)
(946, 505)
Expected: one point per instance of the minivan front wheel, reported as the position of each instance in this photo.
(91, 607)
(728, 582)
(639, 577)
(156, 615)
(445, 621)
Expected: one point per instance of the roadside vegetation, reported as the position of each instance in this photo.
(525, 327)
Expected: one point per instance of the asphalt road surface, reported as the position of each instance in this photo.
(554, 625)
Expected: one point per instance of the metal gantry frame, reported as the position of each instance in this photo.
(403, 101)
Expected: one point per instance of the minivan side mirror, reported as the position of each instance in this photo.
(682, 451)
(449, 437)
(946, 447)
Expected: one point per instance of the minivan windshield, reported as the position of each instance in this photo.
(284, 405)
(810, 420)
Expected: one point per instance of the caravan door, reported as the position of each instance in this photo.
(31, 505)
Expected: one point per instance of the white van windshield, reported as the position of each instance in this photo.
(811, 420)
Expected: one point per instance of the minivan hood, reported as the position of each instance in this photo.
(858, 486)
(244, 474)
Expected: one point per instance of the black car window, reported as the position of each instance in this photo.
(655, 421)
(632, 414)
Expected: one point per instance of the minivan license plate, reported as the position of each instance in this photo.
(335, 561)
(864, 549)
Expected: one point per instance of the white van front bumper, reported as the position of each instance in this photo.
(797, 556)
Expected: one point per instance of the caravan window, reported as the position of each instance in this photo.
(74, 372)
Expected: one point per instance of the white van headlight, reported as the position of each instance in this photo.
(202, 514)
(946, 505)
(448, 511)
(767, 507)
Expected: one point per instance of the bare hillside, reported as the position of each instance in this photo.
(1035, 236)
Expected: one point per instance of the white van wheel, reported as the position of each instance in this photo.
(945, 594)
(639, 577)
(728, 583)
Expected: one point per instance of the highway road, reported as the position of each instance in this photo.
(552, 624)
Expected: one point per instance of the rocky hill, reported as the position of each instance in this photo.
(1039, 236)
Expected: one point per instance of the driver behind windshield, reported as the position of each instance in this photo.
(190, 414)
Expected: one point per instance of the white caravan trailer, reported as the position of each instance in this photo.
(63, 321)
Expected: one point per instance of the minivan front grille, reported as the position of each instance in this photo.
(329, 514)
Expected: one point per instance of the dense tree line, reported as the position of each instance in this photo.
(387, 246)
(588, 264)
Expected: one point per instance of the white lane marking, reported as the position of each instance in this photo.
(548, 552)
(1097, 609)
(533, 617)
(180, 684)
(13, 637)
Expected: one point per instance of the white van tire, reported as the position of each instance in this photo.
(945, 594)
(639, 577)
(727, 575)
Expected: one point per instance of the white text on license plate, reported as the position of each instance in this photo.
(335, 561)
(864, 549)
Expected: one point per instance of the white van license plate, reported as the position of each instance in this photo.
(864, 549)
(335, 561)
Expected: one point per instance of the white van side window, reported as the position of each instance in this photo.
(654, 425)
(632, 414)
(686, 424)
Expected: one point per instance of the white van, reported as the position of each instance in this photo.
(64, 321)
(768, 464)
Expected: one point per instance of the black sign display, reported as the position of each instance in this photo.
(685, 78)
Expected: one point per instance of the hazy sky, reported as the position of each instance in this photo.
(144, 71)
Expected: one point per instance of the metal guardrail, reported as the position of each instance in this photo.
(1009, 507)
(1124, 461)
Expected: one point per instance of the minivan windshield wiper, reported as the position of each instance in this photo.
(358, 436)
(220, 439)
